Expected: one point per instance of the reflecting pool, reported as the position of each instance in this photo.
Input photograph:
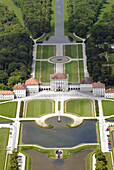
(59, 135)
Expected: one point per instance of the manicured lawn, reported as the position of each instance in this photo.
(109, 160)
(37, 70)
(106, 8)
(80, 107)
(47, 69)
(48, 51)
(59, 105)
(71, 69)
(81, 71)
(108, 107)
(4, 133)
(71, 51)
(38, 56)
(8, 109)
(4, 120)
(14, 8)
(65, 17)
(80, 53)
(36, 108)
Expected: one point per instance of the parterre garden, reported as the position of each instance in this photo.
(36, 108)
(108, 107)
(8, 109)
(4, 133)
(81, 107)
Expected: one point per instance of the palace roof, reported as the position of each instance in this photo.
(109, 91)
(98, 85)
(6, 92)
(58, 76)
(19, 86)
(32, 81)
(86, 80)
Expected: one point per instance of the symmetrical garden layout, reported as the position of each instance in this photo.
(74, 66)
(43, 106)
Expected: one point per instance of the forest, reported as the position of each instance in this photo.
(36, 15)
(82, 15)
(101, 33)
(16, 46)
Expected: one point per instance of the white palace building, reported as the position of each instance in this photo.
(58, 82)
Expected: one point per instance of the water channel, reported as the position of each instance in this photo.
(59, 136)
(77, 161)
(59, 36)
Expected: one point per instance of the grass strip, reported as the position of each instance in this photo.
(47, 69)
(38, 55)
(8, 109)
(81, 69)
(80, 53)
(71, 69)
(96, 108)
(71, 51)
(59, 105)
(109, 160)
(89, 161)
(37, 70)
(4, 134)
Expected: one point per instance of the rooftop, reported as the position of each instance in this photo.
(86, 80)
(98, 85)
(109, 91)
(58, 76)
(6, 92)
(32, 81)
(19, 86)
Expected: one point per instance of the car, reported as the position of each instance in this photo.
(109, 142)
(108, 136)
(107, 129)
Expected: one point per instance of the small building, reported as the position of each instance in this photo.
(109, 93)
(86, 84)
(6, 94)
(59, 82)
(19, 90)
(32, 85)
(99, 89)
(74, 86)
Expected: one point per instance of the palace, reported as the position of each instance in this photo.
(58, 82)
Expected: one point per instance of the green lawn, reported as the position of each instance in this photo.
(36, 108)
(71, 51)
(109, 160)
(38, 55)
(4, 120)
(47, 69)
(71, 69)
(81, 71)
(106, 8)
(80, 53)
(65, 17)
(48, 51)
(111, 57)
(108, 107)
(12, 7)
(82, 107)
(4, 133)
(8, 109)
(37, 70)
(59, 105)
